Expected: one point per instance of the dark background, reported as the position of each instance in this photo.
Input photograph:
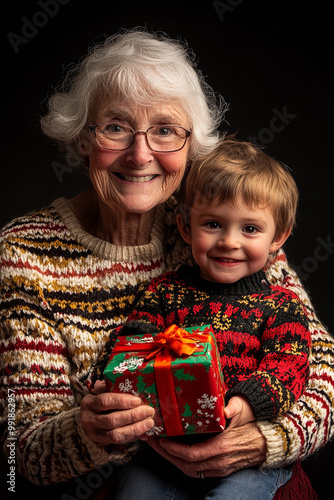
(269, 59)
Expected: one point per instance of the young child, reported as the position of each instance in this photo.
(237, 208)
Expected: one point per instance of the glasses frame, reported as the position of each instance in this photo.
(93, 128)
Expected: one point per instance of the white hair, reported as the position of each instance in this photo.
(145, 69)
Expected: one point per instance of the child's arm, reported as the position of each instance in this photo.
(283, 368)
(239, 411)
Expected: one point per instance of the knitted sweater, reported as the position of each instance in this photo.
(261, 331)
(62, 292)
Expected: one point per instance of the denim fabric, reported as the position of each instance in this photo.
(149, 476)
(246, 484)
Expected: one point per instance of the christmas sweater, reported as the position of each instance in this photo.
(261, 332)
(62, 293)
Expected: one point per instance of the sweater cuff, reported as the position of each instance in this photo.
(259, 396)
(276, 452)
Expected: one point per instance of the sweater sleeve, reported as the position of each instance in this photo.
(40, 395)
(151, 306)
(283, 359)
(308, 425)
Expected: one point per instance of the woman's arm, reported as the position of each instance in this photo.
(42, 386)
(51, 431)
(308, 425)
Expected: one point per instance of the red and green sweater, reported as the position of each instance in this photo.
(261, 331)
(62, 292)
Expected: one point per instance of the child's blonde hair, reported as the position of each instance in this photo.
(239, 170)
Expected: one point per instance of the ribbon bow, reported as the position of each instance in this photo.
(175, 339)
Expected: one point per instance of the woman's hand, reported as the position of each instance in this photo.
(234, 449)
(110, 418)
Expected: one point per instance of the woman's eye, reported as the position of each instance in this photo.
(164, 131)
(113, 128)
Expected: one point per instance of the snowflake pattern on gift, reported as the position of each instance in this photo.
(155, 431)
(127, 386)
(130, 364)
(140, 340)
(206, 401)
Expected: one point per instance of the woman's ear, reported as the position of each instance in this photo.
(184, 229)
(279, 241)
(85, 144)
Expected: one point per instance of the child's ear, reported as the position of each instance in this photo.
(183, 228)
(279, 241)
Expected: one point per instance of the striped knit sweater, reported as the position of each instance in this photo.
(62, 293)
(261, 332)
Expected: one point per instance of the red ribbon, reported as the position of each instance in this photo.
(177, 340)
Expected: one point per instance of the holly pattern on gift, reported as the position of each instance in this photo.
(177, 372)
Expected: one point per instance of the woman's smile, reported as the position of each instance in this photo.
(135, 179)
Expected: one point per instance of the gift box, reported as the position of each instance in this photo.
(177, 372)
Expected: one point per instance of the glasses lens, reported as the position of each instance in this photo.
(160, 138)
(166, 138)
(113, 136)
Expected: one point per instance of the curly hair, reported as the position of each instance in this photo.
(144, 69)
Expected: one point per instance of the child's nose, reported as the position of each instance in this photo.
(229, 240)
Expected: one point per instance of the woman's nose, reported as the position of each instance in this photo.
(139, 152)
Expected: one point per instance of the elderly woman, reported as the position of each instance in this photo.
(135, 112)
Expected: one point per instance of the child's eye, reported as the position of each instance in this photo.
(212, 224)
(250, 229)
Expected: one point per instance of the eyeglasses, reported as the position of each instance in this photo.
(159, 138)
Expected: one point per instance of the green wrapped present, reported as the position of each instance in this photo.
(177, 372)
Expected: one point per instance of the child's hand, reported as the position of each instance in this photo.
(239, 411)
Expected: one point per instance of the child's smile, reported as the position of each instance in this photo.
(231, 240)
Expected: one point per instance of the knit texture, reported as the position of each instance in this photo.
(62, 293)
(261, 331)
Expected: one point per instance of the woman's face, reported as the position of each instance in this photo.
(137, 179)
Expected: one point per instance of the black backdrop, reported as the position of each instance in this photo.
(271, 60)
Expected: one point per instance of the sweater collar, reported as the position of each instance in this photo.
(254, 283)
(106, 250)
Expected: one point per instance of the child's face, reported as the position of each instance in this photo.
(230, 241)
